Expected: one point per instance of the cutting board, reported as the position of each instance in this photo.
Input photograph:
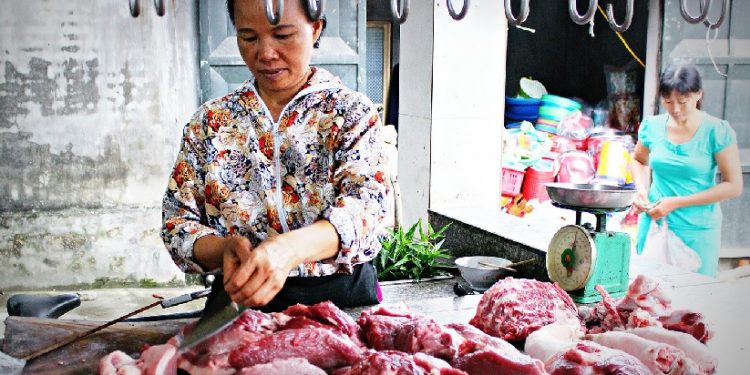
(25, 335)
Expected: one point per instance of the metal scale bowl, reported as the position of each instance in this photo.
(581, 256)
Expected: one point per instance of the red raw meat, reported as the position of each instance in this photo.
(399, 363)
(321, 347)
(587, 357)
(689, 322)
(325, 313)
(644, 293)
(513, 308)
(410, 335)
(484, 354)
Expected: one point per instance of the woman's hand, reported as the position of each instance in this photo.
(253, 276)
(663, 207)
(641, 204)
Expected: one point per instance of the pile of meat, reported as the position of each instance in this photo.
(639, 334)
(322, 339)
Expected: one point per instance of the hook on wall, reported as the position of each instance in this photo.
(314, 9)
(705, 5)
(457, 16)
(522, 15)
(274, 17)
(135, 8)
(586, 17)
(400, 10)
(160, 7)
(620, 28)
(720, 21)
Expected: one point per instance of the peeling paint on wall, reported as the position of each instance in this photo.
(31, 177)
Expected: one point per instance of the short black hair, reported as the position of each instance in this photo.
(230, 10)
(683, 79)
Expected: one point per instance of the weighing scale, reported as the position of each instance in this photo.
(581, 256)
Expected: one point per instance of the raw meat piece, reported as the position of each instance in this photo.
(109, 364)
(212, 355)
(129, 370)
(513, 308)
(552, 339)
(660, 358)
(692, 348)
(398, 310)
(612, 318)
(587, 357)
(644, 293)
(158, 360)
(326, 313)
(641, 318)
(410, 333)
(482, 353)
(391, 362)
(296, 366)
(689, 322)
(321, 347)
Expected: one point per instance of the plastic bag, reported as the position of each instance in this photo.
(664, 246)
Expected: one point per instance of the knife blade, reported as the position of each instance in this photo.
(219, 313)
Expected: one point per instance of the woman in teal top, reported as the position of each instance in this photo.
(675, 165)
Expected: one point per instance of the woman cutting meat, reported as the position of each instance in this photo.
(282, 182)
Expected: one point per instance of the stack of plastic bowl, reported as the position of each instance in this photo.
(518, 110)
(554, 109)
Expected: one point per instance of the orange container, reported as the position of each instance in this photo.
(533, 184)
(512, 181)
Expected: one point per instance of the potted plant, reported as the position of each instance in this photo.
(412, 254)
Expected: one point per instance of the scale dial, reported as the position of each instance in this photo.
(570, 257)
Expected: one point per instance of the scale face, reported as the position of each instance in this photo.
(571, 257)
(579, 259)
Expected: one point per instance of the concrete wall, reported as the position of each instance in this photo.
(92, 102)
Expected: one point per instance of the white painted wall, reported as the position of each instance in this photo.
(92, 104)
(451, 107)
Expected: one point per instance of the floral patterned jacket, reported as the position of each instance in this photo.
(239, 173)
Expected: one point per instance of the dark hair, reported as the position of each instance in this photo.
(682, 79)
(230, 10)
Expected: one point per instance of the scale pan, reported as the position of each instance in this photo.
(593, 196)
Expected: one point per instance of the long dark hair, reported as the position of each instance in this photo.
(230, 10)
(683, 79)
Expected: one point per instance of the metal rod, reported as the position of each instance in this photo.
(586, 17)
(705, 5)
(522, 14)
(620, 28)
(724, 11)
(59, 345)
(160, 7)
(400, 10)
(315, 9)
(457, 16)
(274, 17)
(135, 8)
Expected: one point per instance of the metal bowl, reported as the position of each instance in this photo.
(479, 276)
(591, 195)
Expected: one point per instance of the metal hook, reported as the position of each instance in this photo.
(582, 19)
(452, 12)
(400, 13)
(724, 11)
(135, 8)
(704, 7)
(315, 9)
(628, 17)
(160, 8)
(522, 15)
(274, 18)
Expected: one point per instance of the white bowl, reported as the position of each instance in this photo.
(479, 276)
